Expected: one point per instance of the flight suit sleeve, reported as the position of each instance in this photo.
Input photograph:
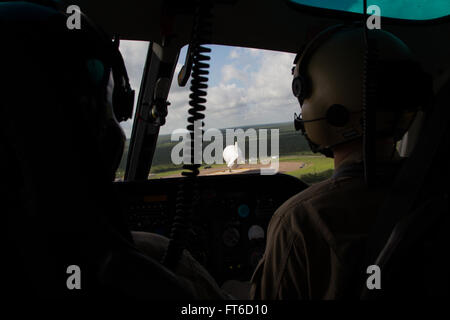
(282, 273)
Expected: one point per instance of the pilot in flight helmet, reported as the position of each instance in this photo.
(329, 79)
(105, 90)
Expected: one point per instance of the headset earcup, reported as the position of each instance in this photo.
(123, 102)
(300, 87)
(296, 86)
(123, 95)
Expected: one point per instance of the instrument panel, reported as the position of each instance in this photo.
(227, 231)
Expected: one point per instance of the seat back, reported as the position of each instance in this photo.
(409, 242)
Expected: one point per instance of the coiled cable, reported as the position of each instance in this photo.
(187, 195)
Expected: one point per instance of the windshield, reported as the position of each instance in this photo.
(248, 90)
(134, 54)
(400, 9)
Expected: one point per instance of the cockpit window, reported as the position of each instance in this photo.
(399, 9)
(248, 90)
(134, 55)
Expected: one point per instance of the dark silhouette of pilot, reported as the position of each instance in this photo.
(316, 239)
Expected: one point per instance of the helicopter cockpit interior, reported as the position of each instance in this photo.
(222, 218)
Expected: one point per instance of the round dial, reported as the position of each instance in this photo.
(231, 237)
(243, 211)
(256, 232)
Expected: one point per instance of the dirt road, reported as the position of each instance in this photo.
(283, 167)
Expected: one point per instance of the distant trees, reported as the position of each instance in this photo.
(291, 142)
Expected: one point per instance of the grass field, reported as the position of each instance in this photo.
(315, 168)
(293, 148)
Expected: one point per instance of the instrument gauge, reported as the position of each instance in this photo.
(256, 232)
(231, 237)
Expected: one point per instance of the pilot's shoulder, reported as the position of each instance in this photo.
(315, 192)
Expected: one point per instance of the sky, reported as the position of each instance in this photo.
(246, 86)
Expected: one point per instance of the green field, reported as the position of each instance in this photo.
(316, 168)
(293, 147)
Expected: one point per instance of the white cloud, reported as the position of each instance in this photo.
(253, 52)
(234, 54)
(230, 72)
(262, 96)
(254, 89)
(134, 54)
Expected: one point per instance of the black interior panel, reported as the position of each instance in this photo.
(228, 230)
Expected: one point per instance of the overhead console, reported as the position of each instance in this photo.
(228, 230)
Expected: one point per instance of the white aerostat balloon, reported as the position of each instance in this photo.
(232, 155)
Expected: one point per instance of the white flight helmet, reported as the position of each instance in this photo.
(329, 79)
